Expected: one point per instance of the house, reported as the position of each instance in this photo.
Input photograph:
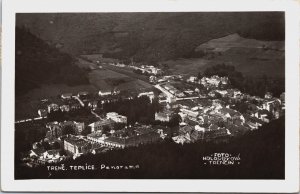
(51, 154)
(66, 96)
(186, 129)
(42, 112)
(35, 153)
(200, 129)
(231, 114)
(180, 139)
(79, 127)
(164, 116)
(192, 79)
(263, 115)
(116, 117)
(152, 79)
(105, 92)
(93, 104)
(53, 107)
(223, 93)
(82, 94)
(268, 95)
(271, 105)
(212, 94)
(65, 108)
(55, 130)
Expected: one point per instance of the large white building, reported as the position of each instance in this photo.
(116, 117)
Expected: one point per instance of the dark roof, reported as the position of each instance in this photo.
(115, 140)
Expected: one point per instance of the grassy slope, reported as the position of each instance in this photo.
(247, 55)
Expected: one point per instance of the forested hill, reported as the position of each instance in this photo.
(38, 63)
(148, 36)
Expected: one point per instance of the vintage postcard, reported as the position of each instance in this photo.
(118, 97)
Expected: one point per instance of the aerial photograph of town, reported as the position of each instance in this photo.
(150, 95)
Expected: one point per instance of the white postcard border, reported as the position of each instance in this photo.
(290, 184)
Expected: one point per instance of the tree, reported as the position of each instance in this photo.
(87, 130)
(68, 129)
(56, 145)
(105, 129)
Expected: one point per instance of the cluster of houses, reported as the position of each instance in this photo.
(213, 81)
(149, 69)
(219, 117)
(203, 116)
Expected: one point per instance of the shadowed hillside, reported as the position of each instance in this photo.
(37, 63)
(148, 36)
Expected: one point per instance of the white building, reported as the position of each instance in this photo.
(149, 94)
(116, 117)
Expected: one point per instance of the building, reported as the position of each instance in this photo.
(66, 96)
(75, 145)
(150, 95)
(65, 108)
(192, 79)
(164, 116)
(268, 95)
(116, 117)
(82, 94)
(93, 105)
(189, 113)
(108, 92)
(231, 114)
(42, 112)
(105, 92)
(53, 107)
(79, 127)
(272, 105)
(54, 130)
(152, 79)
(98, 125)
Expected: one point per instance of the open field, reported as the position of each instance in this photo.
(111, 77)
(249, 56)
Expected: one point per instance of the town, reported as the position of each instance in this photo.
(184, 109)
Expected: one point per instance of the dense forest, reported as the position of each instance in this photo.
(262, 157)
(257, 86)
(38, 63)
(148, 36)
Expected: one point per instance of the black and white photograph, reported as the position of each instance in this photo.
(151, 95)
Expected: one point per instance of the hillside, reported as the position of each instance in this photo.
(37, 63)
(148, 36)
(249, 56)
